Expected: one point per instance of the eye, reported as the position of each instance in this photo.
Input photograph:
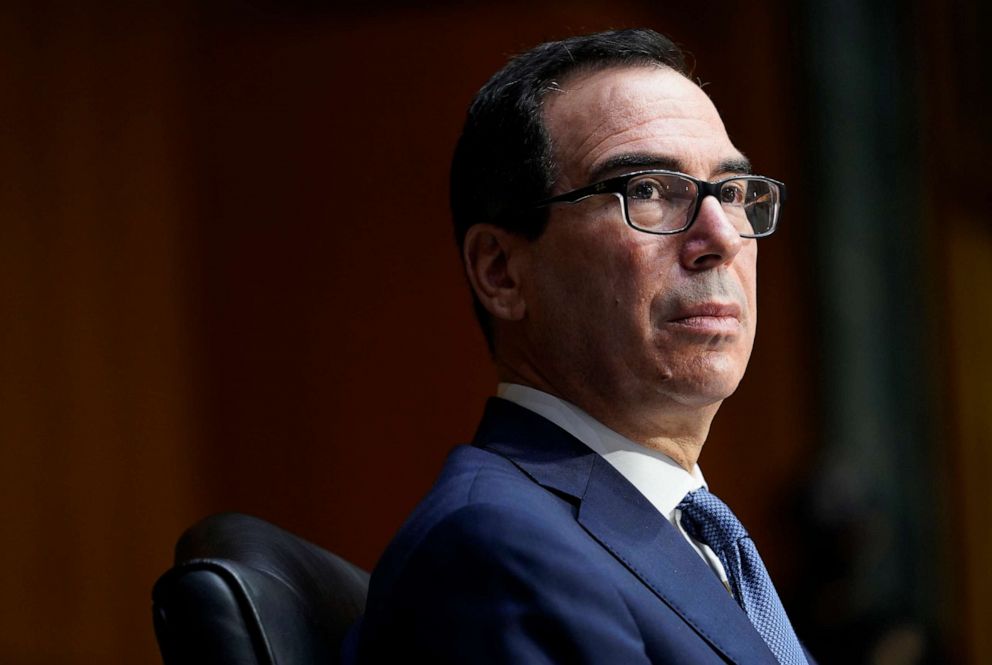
(734, 193)
(660, 187)
(645, 189)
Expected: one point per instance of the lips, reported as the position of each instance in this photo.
(709, 317)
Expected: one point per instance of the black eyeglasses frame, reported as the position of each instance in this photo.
(618, 186)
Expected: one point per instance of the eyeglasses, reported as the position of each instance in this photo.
(667, 202)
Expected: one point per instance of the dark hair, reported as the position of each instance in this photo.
(503, 160)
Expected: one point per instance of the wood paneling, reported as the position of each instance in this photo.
(96, 383)
(228, 283)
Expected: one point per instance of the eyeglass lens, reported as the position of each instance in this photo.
(665, 202)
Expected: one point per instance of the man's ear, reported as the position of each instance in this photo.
(494, 259)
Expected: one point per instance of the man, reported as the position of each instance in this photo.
(608, 230)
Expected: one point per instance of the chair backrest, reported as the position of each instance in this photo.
(244, 591)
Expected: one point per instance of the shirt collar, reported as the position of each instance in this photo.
(655, 475)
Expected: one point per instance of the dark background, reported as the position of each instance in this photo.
(228, 283)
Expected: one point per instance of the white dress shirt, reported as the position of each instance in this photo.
(655, 475)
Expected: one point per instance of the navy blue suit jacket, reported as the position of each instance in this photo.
(531, 548)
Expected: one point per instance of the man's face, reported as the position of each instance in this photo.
(620, 317)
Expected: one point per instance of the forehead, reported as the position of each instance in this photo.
(597, 118)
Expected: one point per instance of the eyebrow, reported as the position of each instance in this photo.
(738, 165)
(636, 161)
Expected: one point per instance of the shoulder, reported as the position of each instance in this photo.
(481, 500)
(494, 563)
(478, 477)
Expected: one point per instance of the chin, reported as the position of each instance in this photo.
(703, 385)
(700, 399)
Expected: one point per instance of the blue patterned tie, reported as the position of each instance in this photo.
(709, 520)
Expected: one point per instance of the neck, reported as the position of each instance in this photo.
(657, 422)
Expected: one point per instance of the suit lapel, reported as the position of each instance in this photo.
(626, 524)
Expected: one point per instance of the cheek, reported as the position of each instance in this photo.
(635, 259)
(602, 259)
(653, 268)
(639, 276)
(599, 273)
(566, 287)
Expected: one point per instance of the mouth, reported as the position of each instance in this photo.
(709, 318)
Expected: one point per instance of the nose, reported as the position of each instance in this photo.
(712, 240)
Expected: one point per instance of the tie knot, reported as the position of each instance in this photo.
(709, 520)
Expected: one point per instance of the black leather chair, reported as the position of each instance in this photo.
(248, 593)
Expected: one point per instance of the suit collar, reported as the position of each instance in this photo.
(625, 523)
(655, 475)
(548, 454)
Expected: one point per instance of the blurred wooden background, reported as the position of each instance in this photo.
(228, 283)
